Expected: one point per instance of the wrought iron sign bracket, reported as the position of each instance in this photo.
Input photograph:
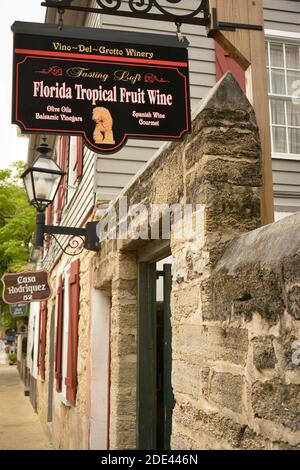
(139, 9)
(217, 25)
(89, 233)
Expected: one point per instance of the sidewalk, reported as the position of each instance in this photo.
(20, 428)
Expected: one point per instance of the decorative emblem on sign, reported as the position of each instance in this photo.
(97, 88)
(26, 287)
(55, 71)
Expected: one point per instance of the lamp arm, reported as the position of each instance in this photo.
(89, 232)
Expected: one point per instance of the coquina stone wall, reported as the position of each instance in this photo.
(235, 295)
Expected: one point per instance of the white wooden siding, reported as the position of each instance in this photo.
(283, 15)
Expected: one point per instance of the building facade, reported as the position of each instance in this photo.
(83, 350)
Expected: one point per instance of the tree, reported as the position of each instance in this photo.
(17, 222)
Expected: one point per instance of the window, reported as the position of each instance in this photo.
(283, 63)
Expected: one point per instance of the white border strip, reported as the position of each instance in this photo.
(281, 34)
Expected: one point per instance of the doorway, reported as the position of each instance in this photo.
(155, 399)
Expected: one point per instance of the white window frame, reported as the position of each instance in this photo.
(286, 37)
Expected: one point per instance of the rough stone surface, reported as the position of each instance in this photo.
(278, 402)
(226, 390)
(264, 356)
(221, 431)
(293, 302)
(197, 343)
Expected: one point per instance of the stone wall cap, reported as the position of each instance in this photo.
(226, 94)
(267, 245)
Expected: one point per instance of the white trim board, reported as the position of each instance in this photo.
(281, 34)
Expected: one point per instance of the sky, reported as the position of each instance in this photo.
(12, 147)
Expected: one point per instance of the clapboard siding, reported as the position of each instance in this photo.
(286, 179)
(202, 68)
(282, 15)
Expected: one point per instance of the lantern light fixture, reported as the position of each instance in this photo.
(42, 180)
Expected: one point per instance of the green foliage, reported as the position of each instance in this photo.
(17, 223)
(12, 357)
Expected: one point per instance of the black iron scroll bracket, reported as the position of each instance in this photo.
(217, 25)
(88, 234)
(140, 9)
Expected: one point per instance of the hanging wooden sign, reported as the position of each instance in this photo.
(106, 86)
(26, 287)
(18, 310)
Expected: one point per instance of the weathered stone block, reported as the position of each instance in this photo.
(184, 302)
(289, 345)
(124, 315)
(123, 371)
(123, 344)
(291, 269)
(252, 288)
(277, 402)
(123, 402)
(126, 266)
(264, 356)
(180, 441)
(198, 344)
(231, 141)
(186, 378)
(227, 390)
(234, 172)
(124, 289)
(224, 429)
(293, 302)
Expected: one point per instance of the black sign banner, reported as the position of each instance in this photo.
(68, 82)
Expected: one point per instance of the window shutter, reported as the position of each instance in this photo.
(63, 163)
(39, 339)
(74, 290)
(59, 335)
(43, 332)
(78, 167)
(225, 63)
(49, 214)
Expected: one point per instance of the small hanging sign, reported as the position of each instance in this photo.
(19, 310)
(26, 287)
(107, 86)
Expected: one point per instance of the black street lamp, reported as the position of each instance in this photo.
(42, 181)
